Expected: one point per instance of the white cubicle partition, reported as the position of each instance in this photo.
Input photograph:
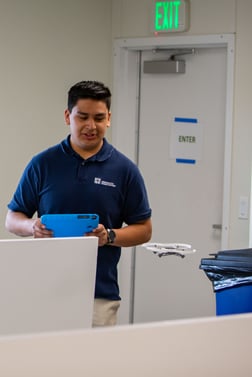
(207, 347)
(46, 284)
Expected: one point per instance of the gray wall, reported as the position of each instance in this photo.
(46, 46)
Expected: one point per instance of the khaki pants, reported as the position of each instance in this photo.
(105, 312)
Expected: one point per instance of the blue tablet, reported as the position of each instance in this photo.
(70, 225)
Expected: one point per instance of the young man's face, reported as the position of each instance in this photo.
(88, 122)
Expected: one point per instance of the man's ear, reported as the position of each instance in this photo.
(67, 116)
(109, 119)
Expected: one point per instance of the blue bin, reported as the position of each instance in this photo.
(234, 300)
(230, 272)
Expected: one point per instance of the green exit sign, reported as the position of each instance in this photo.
(171, 16)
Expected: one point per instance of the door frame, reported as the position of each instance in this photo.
(126, 80)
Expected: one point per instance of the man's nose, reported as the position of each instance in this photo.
(90, 123)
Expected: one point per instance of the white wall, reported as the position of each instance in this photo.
(194, 348)
(242, 136)
(46, 46)
(213, 17)
(209, 17)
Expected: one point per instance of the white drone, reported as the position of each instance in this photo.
(163, 249)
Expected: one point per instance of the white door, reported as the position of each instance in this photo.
(186, 198)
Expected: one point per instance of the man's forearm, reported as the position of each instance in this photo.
(19, 224)
(133, 235)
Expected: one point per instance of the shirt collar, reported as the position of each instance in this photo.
(103, 154)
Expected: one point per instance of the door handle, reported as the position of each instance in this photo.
(217, 226)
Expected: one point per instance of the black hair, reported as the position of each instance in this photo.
(88, 89)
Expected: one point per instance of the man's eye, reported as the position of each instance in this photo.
(99, 119)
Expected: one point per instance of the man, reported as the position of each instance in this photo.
(86, 174)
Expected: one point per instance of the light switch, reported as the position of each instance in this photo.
(243, 207)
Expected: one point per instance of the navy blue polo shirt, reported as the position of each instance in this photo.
(58, 180)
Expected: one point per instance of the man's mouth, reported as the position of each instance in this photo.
(89, 136)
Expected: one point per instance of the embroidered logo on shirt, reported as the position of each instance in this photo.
(99, 181)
